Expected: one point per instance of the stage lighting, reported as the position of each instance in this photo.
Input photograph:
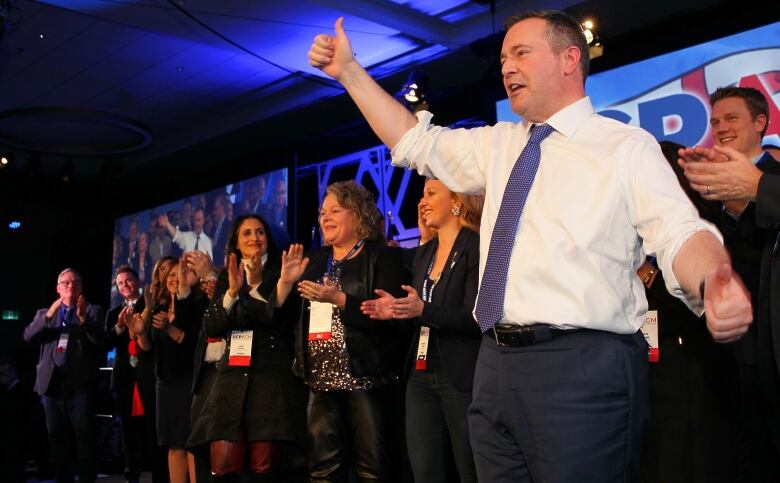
(14, 225)
(6, 160)
(595, 47)
(588, 36)
(414, 91)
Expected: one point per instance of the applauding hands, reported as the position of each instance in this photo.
(388, 307)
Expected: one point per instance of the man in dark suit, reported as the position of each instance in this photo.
(132, 381)
(69, 333)
(747, 180)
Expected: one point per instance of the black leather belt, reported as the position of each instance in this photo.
(510, 335)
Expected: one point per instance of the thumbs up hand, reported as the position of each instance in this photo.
(332, 53)
(726, 305)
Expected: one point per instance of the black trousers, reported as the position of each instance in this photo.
(139, 435)
(570, 409)
(436, 427)
(341, 421)
(71, 423)
(758, 455)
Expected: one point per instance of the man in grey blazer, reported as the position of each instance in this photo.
(69, 333)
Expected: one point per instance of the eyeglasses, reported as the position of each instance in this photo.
(69, 282)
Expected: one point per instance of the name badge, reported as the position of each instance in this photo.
(240, 348)
(320, 321)
(650, 331)
(62, 344)
(421, 363)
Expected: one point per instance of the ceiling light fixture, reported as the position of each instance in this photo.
(414, 91)
(595, 47)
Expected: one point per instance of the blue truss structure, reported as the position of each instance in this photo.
(375, 172)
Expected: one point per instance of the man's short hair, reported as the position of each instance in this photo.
(71, 270)
(562, 32)
(126, 269)
(754, 100)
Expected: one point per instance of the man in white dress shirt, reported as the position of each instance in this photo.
(560, 392)
(190, 240)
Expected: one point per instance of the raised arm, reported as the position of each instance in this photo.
(387, 117)
(163, 220)
(35, 329)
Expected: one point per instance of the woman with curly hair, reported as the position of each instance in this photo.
(347, 359)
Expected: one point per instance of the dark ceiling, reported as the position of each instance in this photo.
(133, 93)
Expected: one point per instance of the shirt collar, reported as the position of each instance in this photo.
(755, 159)
(569, 119)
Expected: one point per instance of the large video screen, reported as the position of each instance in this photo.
(199, 222)
(668, 95)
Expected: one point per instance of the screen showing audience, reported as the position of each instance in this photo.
(200, 222)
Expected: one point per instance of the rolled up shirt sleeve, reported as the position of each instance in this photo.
(664, 216)
(457, 157)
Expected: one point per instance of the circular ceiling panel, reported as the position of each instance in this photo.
(69, 131)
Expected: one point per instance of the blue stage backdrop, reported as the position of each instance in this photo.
(668, 95)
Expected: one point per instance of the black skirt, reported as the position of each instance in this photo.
(174, 401)
(258, 404)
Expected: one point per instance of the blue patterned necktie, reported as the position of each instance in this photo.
(490, 304)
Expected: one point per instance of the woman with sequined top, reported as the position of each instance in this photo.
(346, 358)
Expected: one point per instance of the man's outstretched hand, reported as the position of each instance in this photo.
(726, 305)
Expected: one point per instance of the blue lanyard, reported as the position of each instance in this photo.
(427, 294)
(334, 266)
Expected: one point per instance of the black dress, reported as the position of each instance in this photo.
(263, 401)
(174, 367)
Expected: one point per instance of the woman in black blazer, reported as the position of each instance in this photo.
(256, 406)
(441, 359)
